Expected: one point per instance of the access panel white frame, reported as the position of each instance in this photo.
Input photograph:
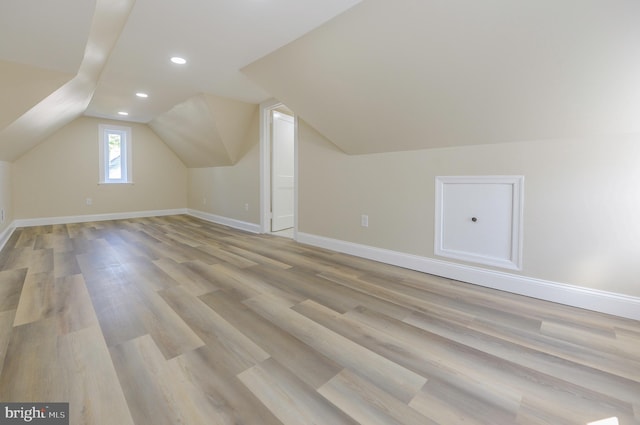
(514, 260)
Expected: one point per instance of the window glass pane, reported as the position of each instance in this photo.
(115, 157)
(115, 154)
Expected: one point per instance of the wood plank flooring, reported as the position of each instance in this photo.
(173, 320)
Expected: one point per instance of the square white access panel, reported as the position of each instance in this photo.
(479, 219)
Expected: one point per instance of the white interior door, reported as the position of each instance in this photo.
(282, 170)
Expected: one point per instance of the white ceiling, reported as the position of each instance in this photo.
(381, 76)
(217, 37)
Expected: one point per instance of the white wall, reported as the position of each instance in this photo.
(582, 199)
(55, 178)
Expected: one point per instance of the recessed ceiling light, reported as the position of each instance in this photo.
(143, 95)
(178, 60)
(123, 113)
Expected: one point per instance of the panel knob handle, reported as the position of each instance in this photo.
(474, 219)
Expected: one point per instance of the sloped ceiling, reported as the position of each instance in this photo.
(70, 100)
(26, 85)
(61, 59)
(414, 74)
(206, 130)
(371, 75)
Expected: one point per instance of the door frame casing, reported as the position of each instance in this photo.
(266, 108)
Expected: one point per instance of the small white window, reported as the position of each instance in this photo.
(115, 154)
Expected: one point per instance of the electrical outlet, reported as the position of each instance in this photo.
(2, 215)
(89, 201)
(246, 207)
(204, 201)
(364, 220)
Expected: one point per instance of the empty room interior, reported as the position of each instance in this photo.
(320, 212)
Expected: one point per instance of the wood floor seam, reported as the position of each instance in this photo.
(175, 320)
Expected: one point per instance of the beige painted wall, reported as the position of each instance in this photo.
(5, 194)
(224, 191)
(55, 178)
(582, 199)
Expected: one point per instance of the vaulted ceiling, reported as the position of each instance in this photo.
(371, 75)
(415, 74)
(66, 58)
(206, 130)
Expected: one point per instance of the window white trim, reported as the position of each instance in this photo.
(125, 153)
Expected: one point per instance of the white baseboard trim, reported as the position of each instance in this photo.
(47, 221)
(30, 222)
(226, 221)
(6, 234)
(591, 299)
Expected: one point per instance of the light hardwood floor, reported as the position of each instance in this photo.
(174, 320)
